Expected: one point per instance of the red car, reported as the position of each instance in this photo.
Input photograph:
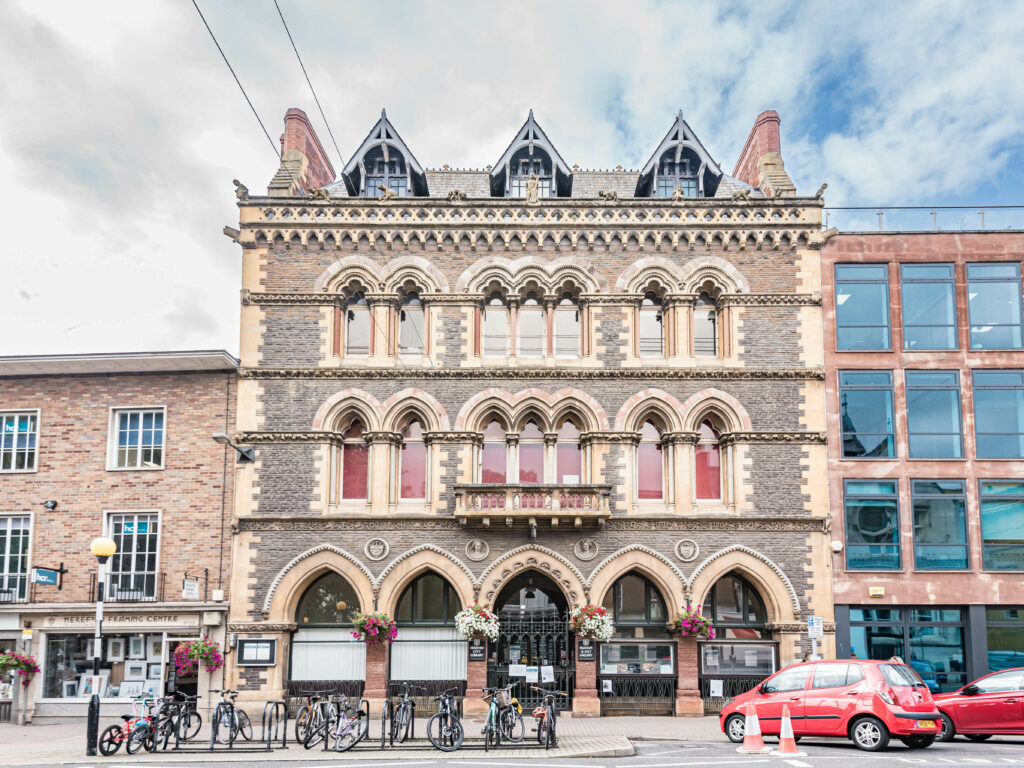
(865, 701)
(991, 704)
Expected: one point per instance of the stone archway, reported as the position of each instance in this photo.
(540, 559)
(648, 563)
(775, 588)
(401, 571)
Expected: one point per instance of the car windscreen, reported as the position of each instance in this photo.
(900, 675)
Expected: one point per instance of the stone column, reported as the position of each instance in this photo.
(688, 701)
(476, 678)
(376, 689)
(585, 701)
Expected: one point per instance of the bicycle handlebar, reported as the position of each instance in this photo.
(549, 693)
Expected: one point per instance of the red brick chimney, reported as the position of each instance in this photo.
(303, 159)
(760, 164)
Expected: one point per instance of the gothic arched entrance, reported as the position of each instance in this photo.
(534, 639)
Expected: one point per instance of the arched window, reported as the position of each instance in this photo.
(525, 161)
(735, 608)
(635, 602)
(532, 328)
(494, 454)
(410, 325)
(651, 339)
(355, 463)
(705, 327)
(357, 326)
(568, 455)
(531, 453)
(495, 332)
(413, 463)
(708, 463)
(329, 601)
(567, 328)
(650, 464)
(429, 599)
(678, 171)
(385, 171)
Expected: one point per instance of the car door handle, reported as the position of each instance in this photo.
(853, 693)
(795, 698)
(1013, 701)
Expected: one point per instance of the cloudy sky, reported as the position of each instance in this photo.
(121, 128)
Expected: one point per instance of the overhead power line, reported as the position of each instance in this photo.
(310, 83)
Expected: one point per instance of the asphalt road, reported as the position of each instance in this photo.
(820, 753)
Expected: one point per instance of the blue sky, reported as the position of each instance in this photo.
(122, 130)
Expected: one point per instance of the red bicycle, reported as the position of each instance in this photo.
(115, 735)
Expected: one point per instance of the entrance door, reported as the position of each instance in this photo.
(533, 616)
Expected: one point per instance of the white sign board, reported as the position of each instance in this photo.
(606, 686)
(716, 689)
(547, 674)
(532, 675)
(816, 627)
(749, 658)
(517, 670)
(190, 589)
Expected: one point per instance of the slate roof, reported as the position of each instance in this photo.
(475, 184)
(588, 183)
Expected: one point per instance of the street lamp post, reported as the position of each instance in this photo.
(103, 548)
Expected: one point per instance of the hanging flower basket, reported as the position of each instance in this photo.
(374, 628)
(25, 666)
(188, 655)
(592, 622)
(476, 621)
(690, 622)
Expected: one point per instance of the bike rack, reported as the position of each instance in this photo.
(275, 716)
(274, 722)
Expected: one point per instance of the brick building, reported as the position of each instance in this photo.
(116, 445)
(536, 386)
(925, 390)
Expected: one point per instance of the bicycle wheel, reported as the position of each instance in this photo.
(487, 733)
(189, 723)
(542, 731)
(224, 724)
(244, 724)
(445, 732)
(316, 728)
(110, 740)
(384, 727)
(552, 740)
(403, 722)
(302, 724)
(141, 736)
(350, 732)
(512, 727)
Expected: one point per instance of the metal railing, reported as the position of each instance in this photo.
(540, 497)
(923, 218)
(145, 587)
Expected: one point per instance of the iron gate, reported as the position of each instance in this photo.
(535, 640)
(637, 695)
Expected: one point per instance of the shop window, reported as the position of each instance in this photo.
(531, 453)
(138, 439)
(328, 601)
(999, 414)
(650, 464)
(567, 328)
(1002, 525)
(708, 463)
(131, 666)
(495, 333)
(429, 599)
(413, 463)
(637, 607)
(736, 609)
(929, 306)
(940, 525)
(532, 332)
(14, 539)
(1004, 628)
(994, 305)
(357, 326)
(132, 569)
(568, 455)
(355, 463)
(410, 325)
(651, 339)
(862, 307)
(933, 415)
(705, 327)
(866, 411)
(18, 435)
(872, 525)
(494, 454)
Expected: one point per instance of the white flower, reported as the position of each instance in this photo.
(475, 622)
(596, 627)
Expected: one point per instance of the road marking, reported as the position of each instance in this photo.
(797, 763)
(704, 762)
(672, 752)
(520, 765)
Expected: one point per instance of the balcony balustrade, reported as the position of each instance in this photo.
(532, 501)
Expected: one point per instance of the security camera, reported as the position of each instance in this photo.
(836, 546)
(50, 505)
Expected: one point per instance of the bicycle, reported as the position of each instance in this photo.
(444, 729)
(308, 715)
(229, 721)
(403, 715)
(115, 735)
(347, 731)
(504, 718)
(177, 716)
(545, 715)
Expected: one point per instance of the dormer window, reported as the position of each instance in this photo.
(389, 173)
(520, 169)
(681, 172)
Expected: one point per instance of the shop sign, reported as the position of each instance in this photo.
(123, 621)
(477, 649)
(136, 527)
(585, 649)
(190, 589)
(44, 576)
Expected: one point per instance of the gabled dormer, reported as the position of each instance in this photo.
(680, 161)
(531, 152)
(383, 160)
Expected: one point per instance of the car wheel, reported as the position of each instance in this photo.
(918, 740)
(946, 729)
(978, 736)
(869, 734)
(735, 728)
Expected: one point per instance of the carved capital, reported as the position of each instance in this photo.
(261, 627)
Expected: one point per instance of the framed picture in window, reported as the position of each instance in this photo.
(136, 647)
(256, 652)
(151, 689)
(135, 670)
(90, 647)
(131, 689)
(154, 647)
(70, 689)
(115, 649)
(93, 684)
(154, 672)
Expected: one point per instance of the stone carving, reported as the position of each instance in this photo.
(376, 549)
(575, 374)
(741, 196)
(821, 191)
(260, 627)
(532, 189)
(241, 191)
(679, 194)
(385, 193)
(456, 196)
(609, 196)
(320, 194)
(585, 549)
(477, 549)
(687, 550)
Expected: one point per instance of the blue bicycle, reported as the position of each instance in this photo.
(504, 717)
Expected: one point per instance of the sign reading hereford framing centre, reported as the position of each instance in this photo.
(124, 621)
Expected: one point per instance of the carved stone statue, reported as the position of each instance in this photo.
(678, 195)
(385, 193)
(609, 196)
(320, 194)
(821, 191)
(532, 189)
(241, 191)
(741, 196)
(456, 196)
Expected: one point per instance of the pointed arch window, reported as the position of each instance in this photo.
(634, 601)
(681, 172)
(736, 609)
(531, 453)
(357, 326)
(708, 463)
(567, 328)
(355, 463)
(531, 331)
(329, 601)
(494, 454)
(650, 463)
(525, 162)
(495, 332)
(410, 325)
(413, 463)
(568, 455)
(705, 327)
(651, 338)
(429, 599)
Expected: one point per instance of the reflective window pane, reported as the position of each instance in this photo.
(495, 332)
(937, 655)
(1005, 631)
(567, 332)
(531, 462)
(994, 305)
(1002, 526)
(940, 524)
(872, 527)
(999, 414)
(410, 334)
(651, 333)
(493, 462)
(866, 411)
(929, 306)
(413, 480)
(705, 327)
(357, 332)
(649, 471)
(531, 332)
(355, 467)
(933, 415)
(862, 307)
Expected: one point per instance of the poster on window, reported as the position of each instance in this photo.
(532, 675)
(750, 658)
(711, 657)
(517, 670)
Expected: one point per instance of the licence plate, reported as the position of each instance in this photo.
(925, 723)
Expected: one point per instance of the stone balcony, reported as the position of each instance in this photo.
(506, 503)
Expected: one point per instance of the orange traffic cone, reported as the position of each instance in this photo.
(753, 744)
(787, 743)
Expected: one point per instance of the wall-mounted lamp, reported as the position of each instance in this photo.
(246, 453)
(50, 505)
